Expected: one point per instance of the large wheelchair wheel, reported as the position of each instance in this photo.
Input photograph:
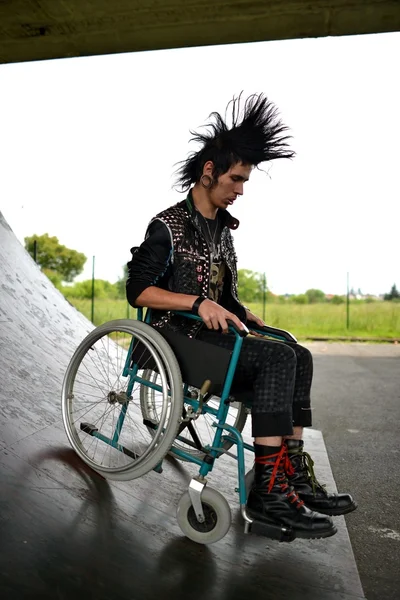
(101, 406)
(203, 429)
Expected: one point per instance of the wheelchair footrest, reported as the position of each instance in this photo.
(274, 532)
(93, 431)
(88, 428)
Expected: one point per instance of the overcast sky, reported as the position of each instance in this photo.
(88, 148)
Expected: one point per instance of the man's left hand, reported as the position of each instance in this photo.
(254, 319)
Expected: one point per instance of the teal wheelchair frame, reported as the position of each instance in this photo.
(202, 512)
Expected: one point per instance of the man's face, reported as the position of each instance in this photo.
(230, 185)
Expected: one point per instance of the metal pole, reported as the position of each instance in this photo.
(35, 250)
(264, 296)
(93, 291)
(348, 303)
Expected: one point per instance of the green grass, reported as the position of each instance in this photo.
(367, 320)
(104, 309)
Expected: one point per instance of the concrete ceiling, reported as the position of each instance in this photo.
(45, 29)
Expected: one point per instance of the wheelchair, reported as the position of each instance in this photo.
(133, 394)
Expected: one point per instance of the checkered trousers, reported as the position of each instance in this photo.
(276, 375)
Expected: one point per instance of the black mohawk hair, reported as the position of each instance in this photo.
(256, 135)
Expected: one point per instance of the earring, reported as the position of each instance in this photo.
(206, 181)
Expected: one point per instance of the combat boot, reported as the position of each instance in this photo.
(300, 474)
(274, 502)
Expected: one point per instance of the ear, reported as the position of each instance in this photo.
(208, 168)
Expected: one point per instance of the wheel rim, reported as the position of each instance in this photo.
(97, 392)
(210, 519)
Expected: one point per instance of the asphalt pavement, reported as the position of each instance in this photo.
(356, 399)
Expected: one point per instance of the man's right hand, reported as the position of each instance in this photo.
(215, 316)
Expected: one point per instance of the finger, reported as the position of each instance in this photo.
(208, 323)
(215, 322)
(256, 333)
(238, 322)
(235, 319)
(224, 325)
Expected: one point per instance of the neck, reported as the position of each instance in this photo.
(202, 202)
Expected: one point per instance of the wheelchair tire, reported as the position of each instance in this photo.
(217, 513)
(98, 393)
(236, 417)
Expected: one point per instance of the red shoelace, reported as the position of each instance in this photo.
(282, 465)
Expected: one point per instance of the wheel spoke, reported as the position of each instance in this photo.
(95, 392)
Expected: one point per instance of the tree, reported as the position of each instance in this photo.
(315, 296)
(250, 285)
(55, 257)
(393, 294)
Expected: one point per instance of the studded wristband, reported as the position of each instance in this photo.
(196, 304)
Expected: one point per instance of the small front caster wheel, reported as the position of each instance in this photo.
(217, 514)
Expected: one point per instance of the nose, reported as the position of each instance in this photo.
(239, 188)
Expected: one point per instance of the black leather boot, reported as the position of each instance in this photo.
(275, 503)
(300, 473)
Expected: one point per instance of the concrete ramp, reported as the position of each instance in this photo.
(66, 532)
(39, 331)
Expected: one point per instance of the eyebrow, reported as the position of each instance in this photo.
(239, 177)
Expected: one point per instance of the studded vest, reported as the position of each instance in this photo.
(189, 269)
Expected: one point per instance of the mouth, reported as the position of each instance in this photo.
(231, 201)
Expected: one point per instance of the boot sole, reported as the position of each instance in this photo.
(334, 512)
(316, 535)
(272, 531)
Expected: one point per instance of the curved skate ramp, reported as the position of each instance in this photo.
(66, 532)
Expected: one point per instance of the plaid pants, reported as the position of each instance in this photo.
(277, 377)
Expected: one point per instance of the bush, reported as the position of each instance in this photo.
(299, 299)
(83, 289)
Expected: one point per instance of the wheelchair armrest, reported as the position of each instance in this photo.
(280, 334)
(232, 325)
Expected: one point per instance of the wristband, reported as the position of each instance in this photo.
(196, 304)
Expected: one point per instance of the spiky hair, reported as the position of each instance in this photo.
(256, 135)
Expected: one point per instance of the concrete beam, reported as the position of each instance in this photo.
(46, 29)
